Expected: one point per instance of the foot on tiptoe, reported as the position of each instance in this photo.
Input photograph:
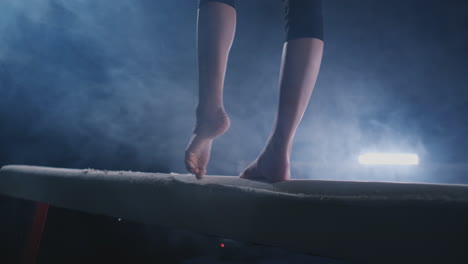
(210, 124)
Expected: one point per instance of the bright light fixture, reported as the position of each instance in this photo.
(389, 159)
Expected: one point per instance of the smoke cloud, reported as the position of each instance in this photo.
(111, 84)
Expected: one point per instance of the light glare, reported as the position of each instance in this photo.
(389, 159)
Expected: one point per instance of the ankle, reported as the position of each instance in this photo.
(280, 148)
(209, 109)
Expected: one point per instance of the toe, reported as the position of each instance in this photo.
(252, 172)
(246, 173)
(249, 171)
(200, 172)
(191, 162)
(188, 165)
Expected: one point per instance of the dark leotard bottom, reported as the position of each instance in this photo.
(302, 18)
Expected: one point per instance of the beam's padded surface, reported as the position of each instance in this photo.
(329, 218)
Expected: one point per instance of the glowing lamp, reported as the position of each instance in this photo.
(389, 159)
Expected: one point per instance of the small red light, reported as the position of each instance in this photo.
(222, 245)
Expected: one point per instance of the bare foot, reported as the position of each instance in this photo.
(271, 166)
(210, 124)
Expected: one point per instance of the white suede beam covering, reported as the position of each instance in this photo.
(363, 222)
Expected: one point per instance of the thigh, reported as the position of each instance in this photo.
(228, 2)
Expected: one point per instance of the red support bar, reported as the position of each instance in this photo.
(33, 240)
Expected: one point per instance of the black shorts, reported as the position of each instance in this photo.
(302, 18)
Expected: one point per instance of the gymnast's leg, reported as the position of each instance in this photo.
(216, 28)
(301, 59)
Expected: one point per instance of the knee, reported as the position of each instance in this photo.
(303, 19)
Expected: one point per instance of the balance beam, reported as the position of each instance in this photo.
(362, 222)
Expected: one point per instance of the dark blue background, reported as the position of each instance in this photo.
(112, 85)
